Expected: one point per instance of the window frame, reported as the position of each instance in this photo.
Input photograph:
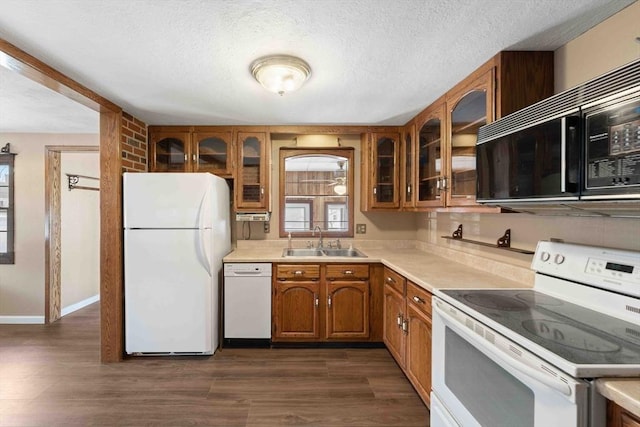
(8, 257)
(346, 152)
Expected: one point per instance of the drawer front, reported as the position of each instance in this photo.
(419, 297)
(298, 271)
(347, 271)
(394, 280)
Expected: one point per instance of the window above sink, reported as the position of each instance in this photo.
(316, 190)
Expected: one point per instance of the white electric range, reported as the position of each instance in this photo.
(528, 357)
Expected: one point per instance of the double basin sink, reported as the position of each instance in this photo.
(315, 252)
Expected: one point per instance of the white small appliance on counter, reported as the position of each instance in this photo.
(176, 232)
(529, 357)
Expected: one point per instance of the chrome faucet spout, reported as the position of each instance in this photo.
(313, 233)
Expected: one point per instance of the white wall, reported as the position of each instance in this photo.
(608, 45)
(80, 229)
(22, 284)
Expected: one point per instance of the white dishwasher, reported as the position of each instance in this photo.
(247, 304)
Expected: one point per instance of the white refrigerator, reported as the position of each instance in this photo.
(176, 232)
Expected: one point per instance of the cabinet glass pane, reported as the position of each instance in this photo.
(170, 154)
(385, 148)
(251, 186)
(212, 153)
(429, 161)
(4, 175)
(4, 196)
(3, 230)
(466, 118)
(408, 162)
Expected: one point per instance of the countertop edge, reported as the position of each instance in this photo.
(625, 392)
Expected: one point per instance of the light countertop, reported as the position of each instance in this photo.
(442, 270)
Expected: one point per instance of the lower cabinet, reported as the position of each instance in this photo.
(617, 416)
(321, 302)
(407, 329)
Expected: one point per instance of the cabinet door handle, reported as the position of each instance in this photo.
(444, 183)
(417, 299)
(399, 320)
(438, 184)
(186, 158)
(348, 272)
(317, 300)
(329, 301)
(375, 190)
(390, 280)
(408, 189)
(405, 327)
(193, 157)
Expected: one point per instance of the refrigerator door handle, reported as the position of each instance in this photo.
(204, 204)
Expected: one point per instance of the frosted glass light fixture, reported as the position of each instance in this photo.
(280, 73)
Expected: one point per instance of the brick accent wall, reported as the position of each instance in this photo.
(133, 144)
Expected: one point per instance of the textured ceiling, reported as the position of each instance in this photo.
(187, 61)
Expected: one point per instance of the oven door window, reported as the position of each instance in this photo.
(469, 374)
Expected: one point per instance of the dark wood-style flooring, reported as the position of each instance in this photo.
(51, 376)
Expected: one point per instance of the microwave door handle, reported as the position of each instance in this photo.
(505, 357)
(563, 155)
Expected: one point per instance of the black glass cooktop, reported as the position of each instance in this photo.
(577, 334)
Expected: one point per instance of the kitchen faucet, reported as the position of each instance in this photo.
(313, 234)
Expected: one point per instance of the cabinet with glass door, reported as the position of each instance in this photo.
(169, 150)
(212, 152)
(468, 108)
(252, 171)
(430, 154)
(380, 175)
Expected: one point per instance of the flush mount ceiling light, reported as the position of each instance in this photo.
(280, 73)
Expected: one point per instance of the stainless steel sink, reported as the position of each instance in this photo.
(301, 252)
(350, 252)
(311, 252)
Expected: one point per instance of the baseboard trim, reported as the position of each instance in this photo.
(22, 320)
(77, 306)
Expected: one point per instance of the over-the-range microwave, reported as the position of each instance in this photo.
(577, 152)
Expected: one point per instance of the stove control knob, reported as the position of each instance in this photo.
(544, 256)
(559, 259)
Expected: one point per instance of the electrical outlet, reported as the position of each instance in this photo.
(267, 227)
(361, 228)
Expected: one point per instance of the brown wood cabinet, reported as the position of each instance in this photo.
(252, 171)
(191, 149)
(617, 416)
(296, 302)
(328, 302)
(446, 130)
(407, 329)
(407, 168)
(380, 176)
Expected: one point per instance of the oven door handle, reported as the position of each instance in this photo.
(505, 357)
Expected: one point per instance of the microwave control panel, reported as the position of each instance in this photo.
(613, 147)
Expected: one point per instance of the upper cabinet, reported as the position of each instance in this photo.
(169, 151)
(191, 150)
(212, 152)
(252, 172)
(446, 131)
(429, 150)
(468, 108)
(407, 187)
(380, 172)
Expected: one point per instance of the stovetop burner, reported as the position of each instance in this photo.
(569, 335)
(496, 302)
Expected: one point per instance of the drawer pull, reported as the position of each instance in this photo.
(347, 272)
(390, 280)
(298, 273)
(417, 299)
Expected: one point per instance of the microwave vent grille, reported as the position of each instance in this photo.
(617, 81)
